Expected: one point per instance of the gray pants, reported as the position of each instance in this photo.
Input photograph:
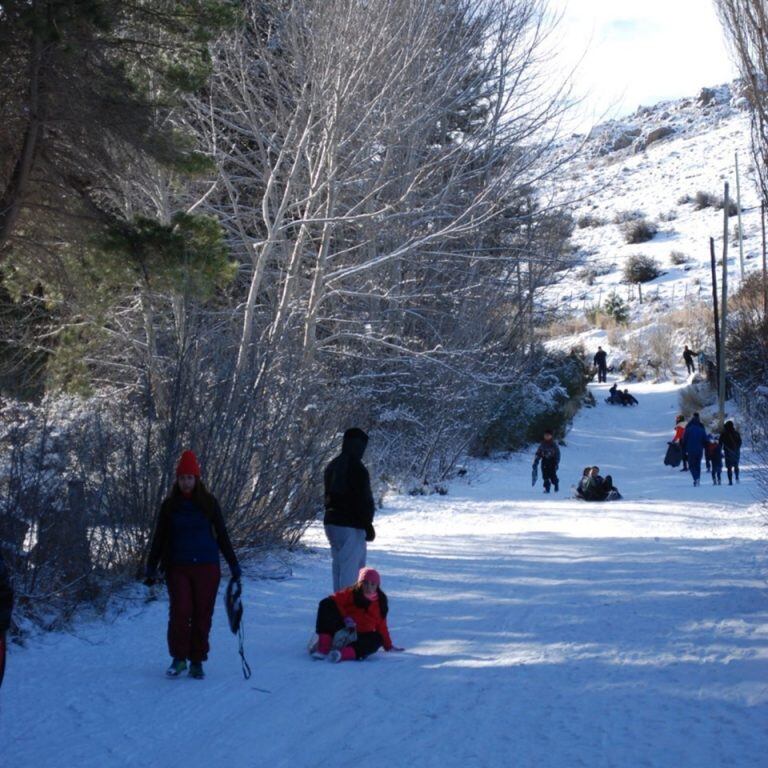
(348, 553)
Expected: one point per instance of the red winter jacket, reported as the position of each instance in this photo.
(679, 431)
(366, 613)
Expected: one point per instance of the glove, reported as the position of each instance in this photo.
(349, 623)
(370, 533)
(236, 572)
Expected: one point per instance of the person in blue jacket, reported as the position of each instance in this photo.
(694, 442)
(189, 534)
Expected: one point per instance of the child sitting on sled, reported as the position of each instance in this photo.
(352, 623)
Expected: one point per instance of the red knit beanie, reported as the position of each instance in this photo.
(369, 574)
(188, 465)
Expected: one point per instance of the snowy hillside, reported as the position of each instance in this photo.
(654, 163)
(540, 632)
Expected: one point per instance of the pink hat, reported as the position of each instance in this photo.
(369, 574)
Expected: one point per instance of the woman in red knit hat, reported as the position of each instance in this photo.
(190, 532)
(352, 623)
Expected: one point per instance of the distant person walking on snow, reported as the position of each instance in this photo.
(6, 608)
(190, 532)
(715, 455)
(694, 442)
(548, 454)
(352, 623)
(730, 439)
(349, 509)
(678, 438)
(688, 355)
(601, 361)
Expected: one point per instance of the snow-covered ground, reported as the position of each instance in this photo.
(698, 156)
(540, 631)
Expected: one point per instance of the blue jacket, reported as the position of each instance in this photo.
(694, 437)
(190, 531)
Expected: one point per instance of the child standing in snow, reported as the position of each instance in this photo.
(190, 532)
(354, 618)
(678, 438)
(549, 455)
(715, 455)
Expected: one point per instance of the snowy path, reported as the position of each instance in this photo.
(540, 632)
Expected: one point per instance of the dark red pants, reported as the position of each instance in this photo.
(192, 591)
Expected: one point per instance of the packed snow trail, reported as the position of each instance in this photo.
(541, 631)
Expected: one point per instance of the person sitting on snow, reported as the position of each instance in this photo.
(583, 482)
(614, 396)
(352, 623)
(626, 399)
(598, 488)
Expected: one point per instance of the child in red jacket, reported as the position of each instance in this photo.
(354, 620)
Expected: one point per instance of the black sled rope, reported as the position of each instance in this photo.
(234, 604)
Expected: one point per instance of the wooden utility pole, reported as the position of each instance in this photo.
(738, 213)
(715, 309)
(723, 313)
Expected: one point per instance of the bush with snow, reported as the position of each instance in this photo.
(638, 230)
(640, 268)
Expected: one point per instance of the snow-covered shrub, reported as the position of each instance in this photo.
(589, 220)
(733, 209)
(678, 257)
(621, 217)
(547, 400)
(638, 230)
(696, 397)
(748, 334)
(616, 308)
(640, 268)
(592, 271)
(684, 199)
(703, 200)
(670, 215)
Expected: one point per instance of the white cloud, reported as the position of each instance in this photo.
(640, 51)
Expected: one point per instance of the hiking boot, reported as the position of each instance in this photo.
(557, 487)
(176, 668)
(196, 670)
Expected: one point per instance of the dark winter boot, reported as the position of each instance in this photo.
(176, 668)
(196, 670)
(557, 487)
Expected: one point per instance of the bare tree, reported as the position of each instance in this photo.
(746, 27)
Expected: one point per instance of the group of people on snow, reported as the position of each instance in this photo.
(591, 487)
(594, 487)
(190, 533)
(619, 397)
(691, 443)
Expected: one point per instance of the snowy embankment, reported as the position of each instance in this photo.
(541, 631)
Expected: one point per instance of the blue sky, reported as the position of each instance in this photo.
(640, 51)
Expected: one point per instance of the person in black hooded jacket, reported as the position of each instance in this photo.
(6, 607)
(349, 509)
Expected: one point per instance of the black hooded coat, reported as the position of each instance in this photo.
(348, 496)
